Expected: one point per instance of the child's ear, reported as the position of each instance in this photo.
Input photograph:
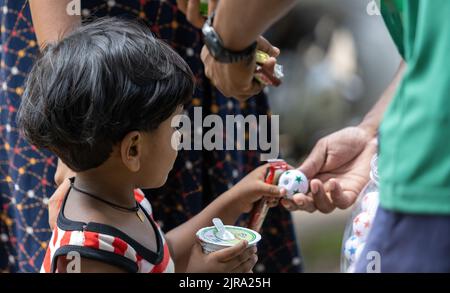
(131, 150)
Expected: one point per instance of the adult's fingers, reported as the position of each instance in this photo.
(288, 204)
(266, 71)
(328, 196)
(299, 202)
(321, 199)
(341, 199)
(265, 46)
(304, 202)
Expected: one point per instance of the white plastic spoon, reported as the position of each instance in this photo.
(223, 233)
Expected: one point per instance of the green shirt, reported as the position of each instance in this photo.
(414, 162)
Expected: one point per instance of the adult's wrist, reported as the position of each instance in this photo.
(369, 127)
(227, 31)
(219, 51)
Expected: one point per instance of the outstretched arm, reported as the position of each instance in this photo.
(339, 164)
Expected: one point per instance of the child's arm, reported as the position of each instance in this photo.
(228, 207)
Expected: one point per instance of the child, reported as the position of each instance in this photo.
(103, 100)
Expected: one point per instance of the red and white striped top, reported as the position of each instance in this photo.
(108, 244)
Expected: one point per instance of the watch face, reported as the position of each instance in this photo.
(213, 48)
(211, 41)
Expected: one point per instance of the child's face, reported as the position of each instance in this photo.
(158, 153)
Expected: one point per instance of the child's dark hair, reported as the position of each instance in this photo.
(105, 79)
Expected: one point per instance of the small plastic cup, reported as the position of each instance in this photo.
(211, 242)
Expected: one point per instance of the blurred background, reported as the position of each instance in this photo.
(337, 59)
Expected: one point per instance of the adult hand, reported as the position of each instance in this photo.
(237, 79)
(339, 166)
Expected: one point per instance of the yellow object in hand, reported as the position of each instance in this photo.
(262, 74)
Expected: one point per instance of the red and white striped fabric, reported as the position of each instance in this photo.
(107, 243)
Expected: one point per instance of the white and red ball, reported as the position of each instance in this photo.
(369, 203)
(361, 225)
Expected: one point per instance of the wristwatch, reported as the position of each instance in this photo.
(216, 48)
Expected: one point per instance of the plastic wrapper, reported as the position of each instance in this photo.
(360, 223)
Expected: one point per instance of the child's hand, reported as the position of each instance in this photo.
(236, 259)
(252, 188)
